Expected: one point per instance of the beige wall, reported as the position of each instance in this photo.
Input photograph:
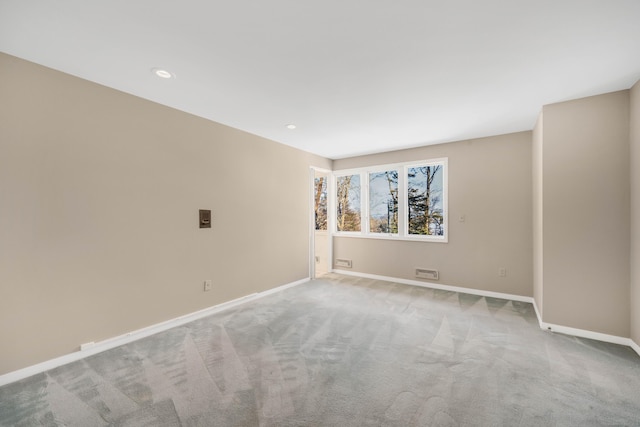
(635, 211)
(99, 193)
(489, 183)
(538, 269)
(585, 165)
(99, 199)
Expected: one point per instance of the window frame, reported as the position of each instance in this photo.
(403, 206)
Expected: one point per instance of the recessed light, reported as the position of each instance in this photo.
(162, 73)
(291, 126)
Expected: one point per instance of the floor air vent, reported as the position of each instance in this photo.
(344, 263)
(425, 273)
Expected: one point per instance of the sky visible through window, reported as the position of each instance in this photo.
(424, 188)
(383, 202)
(348, 203)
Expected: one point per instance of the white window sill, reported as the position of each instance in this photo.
(431, 239)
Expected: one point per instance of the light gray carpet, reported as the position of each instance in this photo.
(343, 351)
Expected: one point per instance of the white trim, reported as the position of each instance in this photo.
(396, 237)
(281, 288)
(543, 325)
(117, 341)
(312, 220)
(582, 333)
(439, 286)
(538, 314)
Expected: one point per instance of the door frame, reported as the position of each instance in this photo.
(312, 220)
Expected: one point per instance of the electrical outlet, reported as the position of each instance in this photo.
(207, 285)
(502, 272)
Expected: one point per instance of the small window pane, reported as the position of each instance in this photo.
(425, 204)
(383, 202)
(320, 204)
(348, 201)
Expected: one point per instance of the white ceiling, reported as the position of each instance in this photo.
(355, 76)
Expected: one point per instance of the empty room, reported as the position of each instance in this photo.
(292, 213)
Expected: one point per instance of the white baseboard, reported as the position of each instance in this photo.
(543, 325)
(538, 314)
(439, 286)
(90, 349)
(282, 288)
(582, 333)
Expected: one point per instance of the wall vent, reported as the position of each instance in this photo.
(425, 273)
(345, 263)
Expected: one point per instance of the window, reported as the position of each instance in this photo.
(348, 203)
(406, 201)
(320, 202)
(383, 202)
(424, 200)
